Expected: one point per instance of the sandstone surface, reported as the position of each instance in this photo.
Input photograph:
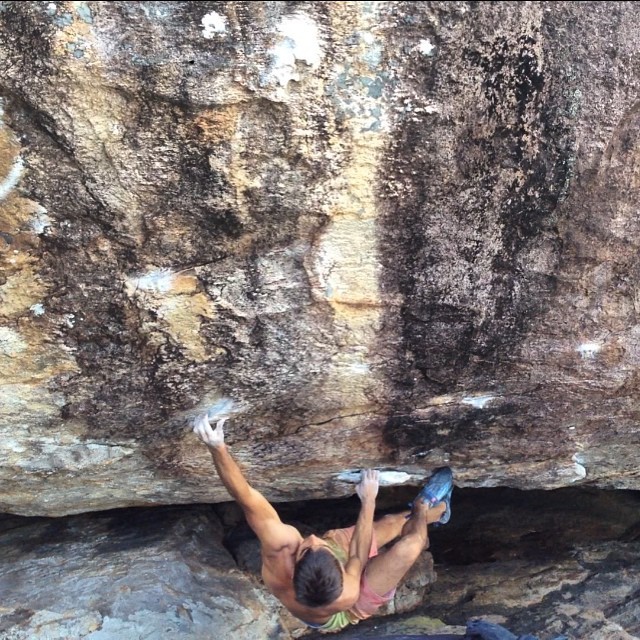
(397, 235)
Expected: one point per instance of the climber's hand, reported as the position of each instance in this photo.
(211, 437)
(367, 488)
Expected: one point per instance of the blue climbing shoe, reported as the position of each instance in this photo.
(438, 489)
(484, 630)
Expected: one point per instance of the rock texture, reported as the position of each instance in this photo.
(541, 562)
(396, 234)
(128, 575)
(546, 563)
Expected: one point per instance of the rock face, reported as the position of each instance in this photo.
(547, 563)
(395, 234)
(539, 562)
(128, 575)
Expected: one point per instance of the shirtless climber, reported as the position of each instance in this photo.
(340, 578)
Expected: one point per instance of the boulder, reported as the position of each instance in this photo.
(544, 563)
(128, 574)
(395, 235)
(547, 563)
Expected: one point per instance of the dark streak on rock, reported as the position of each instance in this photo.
(457, 230)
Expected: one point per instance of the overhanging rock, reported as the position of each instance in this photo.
(397, 235)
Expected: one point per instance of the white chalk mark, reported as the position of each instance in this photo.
(425, 47)
(588, 350)
(580, 471)
(37, 309)
(578, 457)
(579, 467)
(479, 402)
(386, 478)
(300, 41)
(213, 24)
(158, 281)
(302, 31)
(221, 409)
(40, 222)
(359, 367)
(12, 179)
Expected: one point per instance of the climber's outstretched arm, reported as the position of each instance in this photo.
(261, 516)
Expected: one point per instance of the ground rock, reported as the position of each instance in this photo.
(128, 575)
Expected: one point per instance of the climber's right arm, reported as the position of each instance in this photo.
(261, 516)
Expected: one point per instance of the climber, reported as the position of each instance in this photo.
(338, 578)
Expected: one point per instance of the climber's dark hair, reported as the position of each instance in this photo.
(317, 578)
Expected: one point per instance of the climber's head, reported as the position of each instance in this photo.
(318, 574)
